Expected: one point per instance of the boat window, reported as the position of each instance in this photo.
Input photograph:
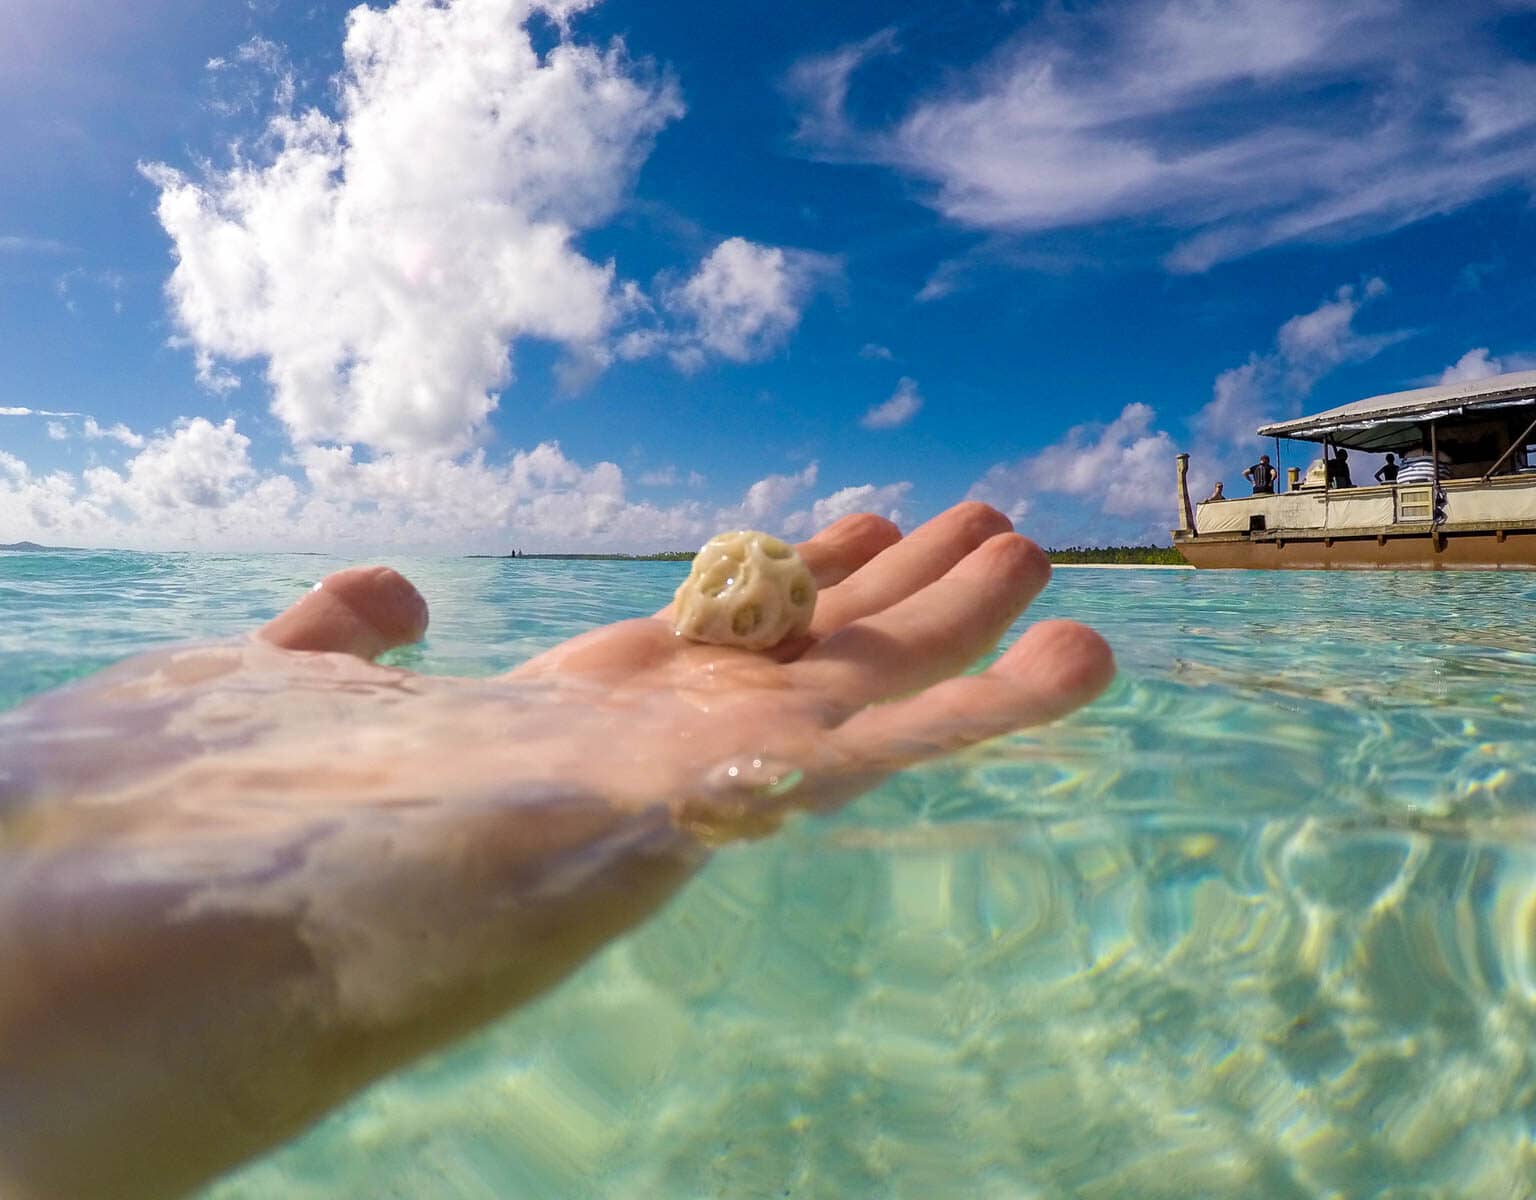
(1256, 523)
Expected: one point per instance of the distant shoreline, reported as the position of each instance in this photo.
(1076, 556)
(1145, 556)
(34, 548)
(1116, 566)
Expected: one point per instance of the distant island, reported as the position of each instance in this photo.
(1146, 555)
(1139, 555)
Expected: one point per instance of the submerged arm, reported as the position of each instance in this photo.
(237, 886)
(165, 1017)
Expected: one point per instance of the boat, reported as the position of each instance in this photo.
(1468, 504)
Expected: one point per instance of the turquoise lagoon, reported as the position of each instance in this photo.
(1261, 922)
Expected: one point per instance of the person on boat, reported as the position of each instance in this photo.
(1387, 473)
(1262, 476)
(1418, 467)
(240, 881)
(1338, 470)
(1216, 493)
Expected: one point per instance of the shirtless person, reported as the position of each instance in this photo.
(239, 882)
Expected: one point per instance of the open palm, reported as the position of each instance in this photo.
(242, 881)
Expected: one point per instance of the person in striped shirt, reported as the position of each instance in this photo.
(1418, 467)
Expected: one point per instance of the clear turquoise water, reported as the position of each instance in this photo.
(1261, 922)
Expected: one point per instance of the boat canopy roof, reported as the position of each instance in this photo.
(1396, 421)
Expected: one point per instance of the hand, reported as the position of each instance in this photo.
(239, 882)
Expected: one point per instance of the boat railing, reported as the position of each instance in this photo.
(1502, 500)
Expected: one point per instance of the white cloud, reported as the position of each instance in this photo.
(91, 428)
(15, 244)
(211, 375)
(382, 262)
(1121, 469)
(198, 464)
(670, 476)
(1233, 126)
(769, 504)
(193, 486)
(1479, 364)
(257, 75)
(196, 485)
(898, 410)
(1307, 347)
(378, 265)
(819, 86)
(874, 350)
(885, 500)
(118, 433)
(766, 499)
(744, 301)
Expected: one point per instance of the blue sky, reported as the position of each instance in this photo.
(487, 274)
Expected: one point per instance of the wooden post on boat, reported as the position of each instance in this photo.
(1186, 514)
(1504, 458)
(1434, 485)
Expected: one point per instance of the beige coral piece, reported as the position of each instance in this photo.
(746, 589)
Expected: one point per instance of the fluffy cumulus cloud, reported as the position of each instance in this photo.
(378, 264)
(1234, 126)
(777, 504)
(1121, 469)
(1116, 476)
(381, 262)
(196, 485)
(766, 499)
(887, 500)
(744, 301)
(1479, 364)
(193, 485)
(1307, 347)
(197, 465)
(896, 411)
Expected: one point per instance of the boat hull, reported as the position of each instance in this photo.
(1420, 550)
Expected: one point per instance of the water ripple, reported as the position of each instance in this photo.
(1259, 923)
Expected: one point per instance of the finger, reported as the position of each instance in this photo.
(627, 647)
(933, 633)
(844, 546)
(1057, 666)
(917, 560)
(611, 653)
(840, 549)
(361, 610)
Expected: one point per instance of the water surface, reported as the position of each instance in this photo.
(1261, 922)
